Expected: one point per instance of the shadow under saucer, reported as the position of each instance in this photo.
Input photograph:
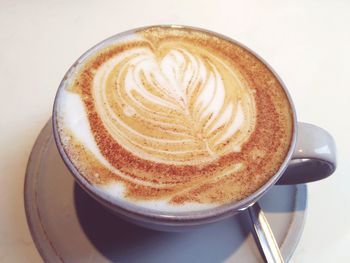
(121, 241)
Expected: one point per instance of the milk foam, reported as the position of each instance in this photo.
(72, 113)
(73, 117)
(117, 191)
(162, 91)
(174, 79)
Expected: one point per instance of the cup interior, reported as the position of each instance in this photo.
(128, 209)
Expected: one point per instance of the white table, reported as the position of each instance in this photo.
(307, 43)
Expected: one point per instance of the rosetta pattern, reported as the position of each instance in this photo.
(179, 105)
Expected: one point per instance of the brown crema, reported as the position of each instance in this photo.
(172, 145)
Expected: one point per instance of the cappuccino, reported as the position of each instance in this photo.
(174, 119)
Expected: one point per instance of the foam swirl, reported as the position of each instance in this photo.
(173, 104)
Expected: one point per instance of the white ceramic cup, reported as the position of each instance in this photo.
(311, 157)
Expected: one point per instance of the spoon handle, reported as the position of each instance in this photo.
(264, 234)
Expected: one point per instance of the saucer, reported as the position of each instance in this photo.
(67, 225)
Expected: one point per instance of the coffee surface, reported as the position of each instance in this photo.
(170, 118)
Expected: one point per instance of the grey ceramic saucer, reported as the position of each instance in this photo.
(68, 226)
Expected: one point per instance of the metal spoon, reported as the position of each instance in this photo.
(268, 244)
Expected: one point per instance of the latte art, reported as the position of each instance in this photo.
(171, 104)
(174, 119)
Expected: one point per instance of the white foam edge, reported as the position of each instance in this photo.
(72, 115)
(117, 189)
(77, 122)
(70, 107)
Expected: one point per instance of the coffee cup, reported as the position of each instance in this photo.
(174, 127)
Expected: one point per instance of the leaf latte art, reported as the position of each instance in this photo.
(173, 105)
(163, 116)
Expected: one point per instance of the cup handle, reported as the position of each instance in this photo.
(314, 157)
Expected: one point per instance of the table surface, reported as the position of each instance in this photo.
(306, 42)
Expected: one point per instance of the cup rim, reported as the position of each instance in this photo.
(129, 209)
